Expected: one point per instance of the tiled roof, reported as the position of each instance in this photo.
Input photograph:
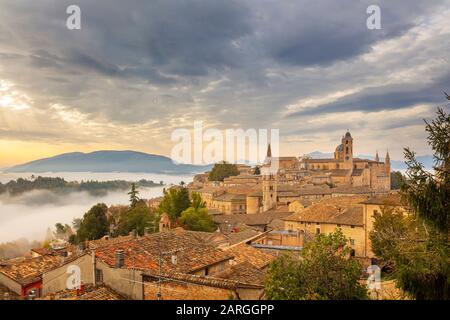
(193, 252)
(106, 241)
(202, 280)
(353, 190)
(90, 293)
(6, 294)
(340, 210)
(249, 219)
(393, 199)
(29, 270)
(244, 272)
(249, 254)
(237, 237)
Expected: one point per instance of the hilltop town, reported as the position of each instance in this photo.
(258, 217)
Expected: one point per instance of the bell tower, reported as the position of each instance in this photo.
(347, 150)
(269, 185)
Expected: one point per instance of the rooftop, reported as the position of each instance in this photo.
(393, 199)
(29, 270)
(246, 253)
(192, 249)
(340, 210)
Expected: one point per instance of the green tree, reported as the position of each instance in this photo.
(428, 193)
(134, 199)
(323, 271)
(223, 170)
(197, 219)
(397, 180)
(418, 245)
(94, 224)
(174, 202)
(138, 218)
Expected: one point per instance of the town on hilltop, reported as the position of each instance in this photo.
(258, 217)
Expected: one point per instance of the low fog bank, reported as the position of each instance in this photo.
(30, 214)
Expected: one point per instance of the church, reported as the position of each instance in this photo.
(343, 173)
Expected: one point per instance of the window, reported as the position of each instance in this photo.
(98, 276)
(353, 227)
(317, 230)
(352, 242)
(339, 225)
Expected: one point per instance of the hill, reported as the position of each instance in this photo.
(107, 161)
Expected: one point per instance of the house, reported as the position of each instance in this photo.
(122, 265)
(23, 276)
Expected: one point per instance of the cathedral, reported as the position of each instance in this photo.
(343, 171)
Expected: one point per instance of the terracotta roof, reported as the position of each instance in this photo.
(321, 160)
(230, 197)
(247, 253)
(193, 252)
(393, 199)
(237, 237)
(29, 270)
(257, 219)
(340, 210)
(353, 190)
(106, 241)
(244, 272)
(202, 280)
(90, 293)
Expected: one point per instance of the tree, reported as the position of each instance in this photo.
(428, 193)
(134, 199)
(138, 218)
(94, 224)
(324, 270)
(416, 258)
(397, 180)
(223, 170)
(174, 202)
(196, 217)
(197, 220)
(418, 245)
(257, 170)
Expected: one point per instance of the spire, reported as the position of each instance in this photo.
(377, 158)
(387, 159)
(269, 151)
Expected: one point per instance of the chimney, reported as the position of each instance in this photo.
(120, 258)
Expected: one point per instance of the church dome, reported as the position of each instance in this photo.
(348, 135)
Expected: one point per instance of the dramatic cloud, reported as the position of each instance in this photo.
(139, 69)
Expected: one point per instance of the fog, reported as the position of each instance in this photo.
(30, 214)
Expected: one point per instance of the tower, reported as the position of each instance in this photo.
(377, 158)
(347, 151)
(164, 223)
(387, 164)
(270, 189)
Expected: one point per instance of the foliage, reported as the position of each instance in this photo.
(197, 220)
(62, 231)
(223, 170)
(134, 198)
(138, 218)
(416, 254)
(417, 245)
(174, 202)
(397, 180)
(197, 201)
(324, 270)
(257, 170)
(427, 193)
(59, 185)
(94, 224)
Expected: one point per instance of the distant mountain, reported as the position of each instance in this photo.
(426, 160)
(107, 161)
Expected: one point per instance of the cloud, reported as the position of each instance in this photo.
(138, 69)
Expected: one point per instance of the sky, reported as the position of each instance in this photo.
(139, 69)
